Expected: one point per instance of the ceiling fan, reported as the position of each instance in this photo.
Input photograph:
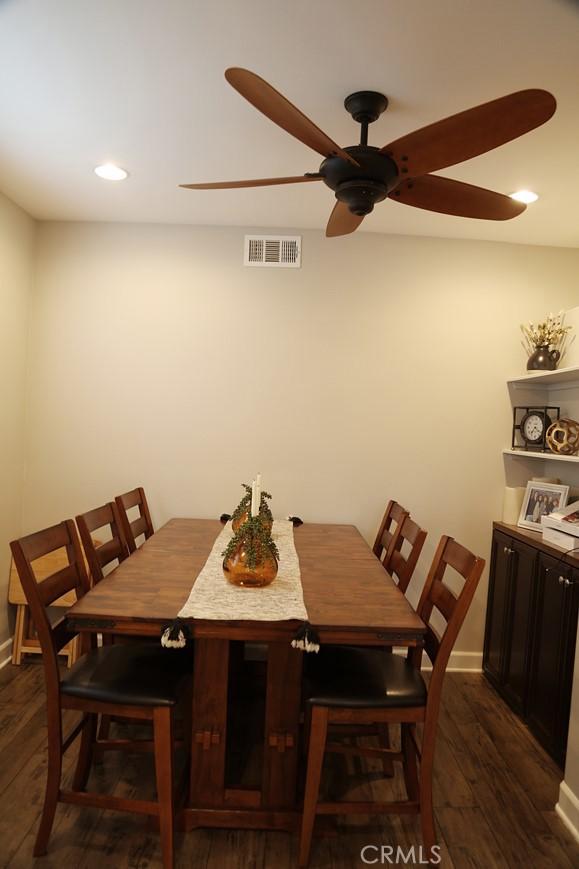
(362, 175)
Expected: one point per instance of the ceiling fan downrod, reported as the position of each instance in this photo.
(365, 108)
(361, 186)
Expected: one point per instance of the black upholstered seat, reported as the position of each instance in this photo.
(363, 678)
(134, 675)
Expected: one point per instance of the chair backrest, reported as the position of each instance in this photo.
(41, 593)
(452, 607)
(143, 524)
(101, 555)
(406, 553)
(388, 536)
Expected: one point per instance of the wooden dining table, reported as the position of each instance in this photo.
(350, 599)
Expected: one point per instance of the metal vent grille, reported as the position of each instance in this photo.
(277, 251)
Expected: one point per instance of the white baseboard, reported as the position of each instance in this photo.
(465, 662)
(568, 809)
(459, 662)
(7, 644)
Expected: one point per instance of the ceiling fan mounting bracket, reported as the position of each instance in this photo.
(366, 106)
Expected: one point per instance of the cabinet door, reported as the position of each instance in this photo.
(570, 630)
(519, 623)
(497, 608)
(549, 679)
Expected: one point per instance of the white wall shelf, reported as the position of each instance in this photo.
(545, 457)
(547, 379)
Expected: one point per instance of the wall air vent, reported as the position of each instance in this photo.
(277, 251)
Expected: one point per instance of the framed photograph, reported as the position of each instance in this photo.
(541, 499)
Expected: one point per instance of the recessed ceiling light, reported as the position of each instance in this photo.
(526, 196)
(110, 172)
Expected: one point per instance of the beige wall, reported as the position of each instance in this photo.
(16, 265)
(377, 370)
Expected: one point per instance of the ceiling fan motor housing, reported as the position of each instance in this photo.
(360, 187)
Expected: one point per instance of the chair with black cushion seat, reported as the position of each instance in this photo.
(401, 548)
(406, 552)
(354, 686)
(142, 682)
(388, 536)
(100, 555)
(143, 524)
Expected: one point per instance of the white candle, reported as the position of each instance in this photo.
(254, 504)
(258, 491)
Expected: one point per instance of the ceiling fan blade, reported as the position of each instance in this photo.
(257, 182)
(472, 132)
(342, 221)
(278, 109)
(454, 197)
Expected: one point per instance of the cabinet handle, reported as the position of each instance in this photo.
(507, 550)
(562, 580)
(567, 582)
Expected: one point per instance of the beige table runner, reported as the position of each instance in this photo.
(214, 597)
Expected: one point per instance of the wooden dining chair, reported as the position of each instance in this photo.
(143, 682)
(142, 525)
(388, 536)
(100, 555)
(355, 686)
(406, 552)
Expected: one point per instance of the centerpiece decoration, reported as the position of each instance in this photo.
(545, 342)
(251, 556)
(243, 510)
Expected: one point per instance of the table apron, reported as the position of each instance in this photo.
(253, 633)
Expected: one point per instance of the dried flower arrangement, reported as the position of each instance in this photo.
(551, 333)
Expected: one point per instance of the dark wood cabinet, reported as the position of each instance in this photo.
(523, 560)
(530, 633)
(494, 651)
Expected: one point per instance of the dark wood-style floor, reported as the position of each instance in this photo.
(495, 791)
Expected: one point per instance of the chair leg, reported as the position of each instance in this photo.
(307, 728)
(318, 734)
(384, 737)
(426, 807)
(163, 724)
(104, 727)
(410, 766)
(52, 786)
(85, 753)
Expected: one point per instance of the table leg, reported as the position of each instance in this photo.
(209, 723)
(282, 719)
(19, 633)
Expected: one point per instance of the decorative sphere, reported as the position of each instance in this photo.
(563, 437)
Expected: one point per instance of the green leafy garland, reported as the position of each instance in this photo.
(244, 505)
(256, 539)
(264, 508)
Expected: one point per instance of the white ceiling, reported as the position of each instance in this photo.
(140, 83)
